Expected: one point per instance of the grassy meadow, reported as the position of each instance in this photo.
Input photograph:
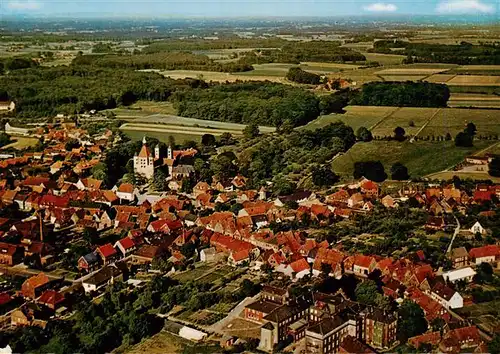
(421, 157)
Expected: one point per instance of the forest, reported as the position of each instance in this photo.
(40, 92)
(277, 155)
(461, 54)
(297, 52)
(303, 77)
(202, 44)
(402, 94)
(161, 61)
(262, 103)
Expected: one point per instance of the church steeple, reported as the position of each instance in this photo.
(144, 142)
(170, 153)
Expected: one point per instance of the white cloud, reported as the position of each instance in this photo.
(464, 6)
(381, 7)
(24, 5)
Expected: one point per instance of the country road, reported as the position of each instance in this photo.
(457, 230)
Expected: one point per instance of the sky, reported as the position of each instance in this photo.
(246, 8)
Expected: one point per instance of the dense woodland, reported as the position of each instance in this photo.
(40, 92)
(303, 77)
(262, 103)
(202, 44)
(462, 54)
(403, 94)
(297, 52)
(163, 60)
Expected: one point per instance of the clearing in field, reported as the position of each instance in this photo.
(454, 120)
(421, 157)
(355, 117)
(477, 176)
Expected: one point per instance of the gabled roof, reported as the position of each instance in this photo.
(126, 188)
(299, 265)
(51, 297)
(485, 251)
(107, 250)
(37, 280)
(126, 243)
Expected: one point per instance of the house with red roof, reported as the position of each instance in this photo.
(237, 258)
(460, 339)
(126, 191)
(107, 253)
(34, 286)
(360, 265)
(126, 246)
(296, 269)
(488, 254)
(51, 298)
(332, 258)
(369, 188)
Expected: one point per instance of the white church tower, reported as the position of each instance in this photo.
(144, 162)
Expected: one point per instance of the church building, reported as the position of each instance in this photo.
(146, 161)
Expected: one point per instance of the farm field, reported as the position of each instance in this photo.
(421, 157)
(160, 120)
(355, 117)
(137, 135)
(476, 80)
(478, 176)
(453, 120)
(477, 70)
(402, 118)
(21, 142)
(223, 77)
(411, 71)
(384, 59)
(403, 77)
(474, 100)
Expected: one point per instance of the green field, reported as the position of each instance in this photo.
(402, 118)
(421, 157)
(454, 120)
(474, 100)
(384, 59)
(355, 116)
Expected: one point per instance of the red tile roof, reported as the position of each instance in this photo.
(240, 255)
(485, 251)
(51, 297)
(107, 250)
(299, 265)
(126, 188)
(127, 243)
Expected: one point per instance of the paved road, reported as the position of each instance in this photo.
(457, 230)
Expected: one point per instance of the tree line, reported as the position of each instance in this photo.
(463, 54)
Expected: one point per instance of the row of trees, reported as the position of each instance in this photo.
(375, 171)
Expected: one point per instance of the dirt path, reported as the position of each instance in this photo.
(425, 125)
(384, 118)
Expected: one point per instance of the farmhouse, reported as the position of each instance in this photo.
(466, 274)
(488, 254)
